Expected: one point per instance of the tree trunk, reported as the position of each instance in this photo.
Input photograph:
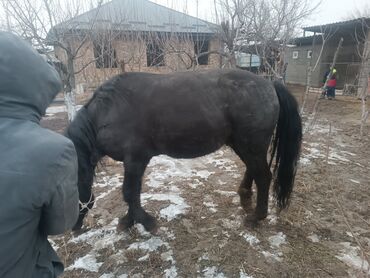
(70, 91)
(70, 102)
(365, 111)
(363, 82)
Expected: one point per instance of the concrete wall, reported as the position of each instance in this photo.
(348, 63)
(365, 67)
(298, 68)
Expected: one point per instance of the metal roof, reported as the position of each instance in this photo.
(307, 40)
(341, 24)
(138, 15)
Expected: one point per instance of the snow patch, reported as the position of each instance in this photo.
(211, 206)
(272, 218)
(277, 240)
(150, 245)
(172, 211)
(230, 224)
(251, 239)
(314, 238)
(220, 182)
(108, 181)
(204, 174)
(168, 257)
(170, 273)
(143, 258)
(354, 181)
(140, 228)
(53, 244)
(225, 193)
(212, 272)
(349, 255)
(167, 168)
(177, 207)
(87, 262)
(205, 257)
(275, 256)
(244, 275)
(304, 161)
(338, 157)
(100, 238)
(195, 183)
(108, 275)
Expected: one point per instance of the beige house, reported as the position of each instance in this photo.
(135, 35)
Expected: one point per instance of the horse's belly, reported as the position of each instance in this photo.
(192, 150)
(193, 144)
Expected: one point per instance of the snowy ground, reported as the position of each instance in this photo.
(324, 233)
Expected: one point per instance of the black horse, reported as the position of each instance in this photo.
(135, 116)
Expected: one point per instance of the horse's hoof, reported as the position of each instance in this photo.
(125, 223)
(144, 218)
(78, 225)
(246, 206)
(245, 199)
(150, 224)
(251, 221)
(260, 215)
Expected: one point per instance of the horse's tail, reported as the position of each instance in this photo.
(82, 133)
(286, 145)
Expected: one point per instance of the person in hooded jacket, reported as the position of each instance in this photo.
(331, 83)
(38, 168)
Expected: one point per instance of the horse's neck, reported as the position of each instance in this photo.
(83, 134)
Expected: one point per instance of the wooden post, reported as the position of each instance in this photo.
(333, 63)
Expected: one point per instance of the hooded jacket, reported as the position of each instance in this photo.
(38, 168)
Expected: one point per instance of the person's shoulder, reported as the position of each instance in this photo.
(50, 145)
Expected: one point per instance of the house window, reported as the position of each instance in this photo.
(105, 55)
(199, 48)
(295, 54)
(309, 54)
(154, 55)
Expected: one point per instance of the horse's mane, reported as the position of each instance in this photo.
(83, 135)
(111, 91)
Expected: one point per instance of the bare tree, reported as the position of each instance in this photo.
(260, 26)
(360, 12)
(362, 38)
(94, 49)
(324, 36)
(43, 23)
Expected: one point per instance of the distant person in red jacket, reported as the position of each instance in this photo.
(331, 83)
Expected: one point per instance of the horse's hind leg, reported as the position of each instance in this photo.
(262, 176)
(245, 191)
(257, 170)
(245, 188)
(134, 171)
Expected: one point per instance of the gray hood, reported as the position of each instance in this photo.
(28, 84)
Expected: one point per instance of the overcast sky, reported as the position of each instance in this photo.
(329, 11)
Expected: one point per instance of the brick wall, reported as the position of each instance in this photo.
(131, 56)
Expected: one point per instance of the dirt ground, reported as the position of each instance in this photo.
(324, 233)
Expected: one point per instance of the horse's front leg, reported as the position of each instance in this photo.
(85, 181)
(134, 171)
